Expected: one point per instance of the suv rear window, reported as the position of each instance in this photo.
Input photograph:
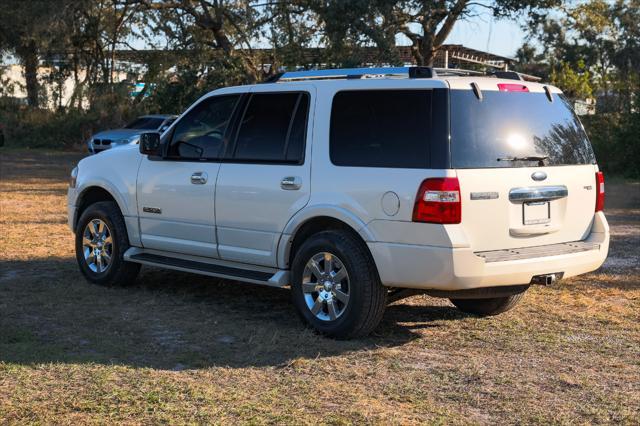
(509, 125)
(381, 128)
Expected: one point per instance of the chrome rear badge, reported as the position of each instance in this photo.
(538, 176)
(484, 195)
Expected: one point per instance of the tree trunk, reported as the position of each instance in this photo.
(436, 27)
(427, 52)
(29, 56)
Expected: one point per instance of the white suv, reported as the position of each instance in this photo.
(355, 188)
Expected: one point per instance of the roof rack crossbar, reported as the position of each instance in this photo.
(350, 73)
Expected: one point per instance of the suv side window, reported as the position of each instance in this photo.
(200, 134)
(381, 128)
(273, 128)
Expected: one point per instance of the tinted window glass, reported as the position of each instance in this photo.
(515, 125)
(382, 128)
(298, 133)
(167, 124)
(145, 123)
(200, 134)
(273, 128)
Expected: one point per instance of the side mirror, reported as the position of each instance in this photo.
(150, 144)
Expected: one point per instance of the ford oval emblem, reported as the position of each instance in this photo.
(538, 176)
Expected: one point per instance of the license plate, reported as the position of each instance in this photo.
(536, 213)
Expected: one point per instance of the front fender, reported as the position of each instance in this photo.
(114, 171)
(109, 187)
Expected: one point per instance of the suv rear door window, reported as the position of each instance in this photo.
(509, 125)
(381, 128)
(273, 128)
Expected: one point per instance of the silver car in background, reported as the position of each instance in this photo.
(130, 134)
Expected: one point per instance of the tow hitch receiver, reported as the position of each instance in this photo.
(546, 279)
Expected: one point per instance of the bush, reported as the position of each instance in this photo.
(63, 129)
(616, 141)
(45, 129)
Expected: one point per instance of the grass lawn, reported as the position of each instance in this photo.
(180, 348)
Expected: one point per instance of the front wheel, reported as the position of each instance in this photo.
(101, 240)
(487, 307)
(335, 286)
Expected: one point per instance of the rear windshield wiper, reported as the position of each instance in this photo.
(539, 159)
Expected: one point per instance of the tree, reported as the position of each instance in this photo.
(28, 29)
(426, 23)
(227, 28)
(574, 81)
(598, 41)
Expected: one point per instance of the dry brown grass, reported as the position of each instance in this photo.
(179, 348)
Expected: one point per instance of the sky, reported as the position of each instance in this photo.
(501, 37)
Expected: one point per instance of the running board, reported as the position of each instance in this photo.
(279, 278)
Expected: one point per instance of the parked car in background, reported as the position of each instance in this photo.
(130, 134)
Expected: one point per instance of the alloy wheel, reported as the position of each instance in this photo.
(97, 245)
(326, 286)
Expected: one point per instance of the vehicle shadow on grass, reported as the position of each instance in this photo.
(171, 320)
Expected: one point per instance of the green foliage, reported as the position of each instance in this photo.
(616, 141)
(596, 40)
(574, 81)
(191, 80)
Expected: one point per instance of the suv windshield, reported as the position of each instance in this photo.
(514, 129)
(145, 123)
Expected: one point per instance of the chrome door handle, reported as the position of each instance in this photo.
(291, 183)
(199, 178)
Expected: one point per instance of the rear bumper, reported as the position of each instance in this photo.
(440, 268)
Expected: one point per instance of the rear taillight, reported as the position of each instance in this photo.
(599, 191)
(506, 87)
(438, 201)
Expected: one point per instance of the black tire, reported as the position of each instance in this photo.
(487, 307)
(367, 296)
(118, 272)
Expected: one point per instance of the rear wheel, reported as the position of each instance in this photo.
(335, 286)
(487, 307)
(101, 240)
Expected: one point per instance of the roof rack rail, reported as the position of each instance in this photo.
(353, 73)
(508, 75)
(400, 72)
(457, 71)
(513, 75)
